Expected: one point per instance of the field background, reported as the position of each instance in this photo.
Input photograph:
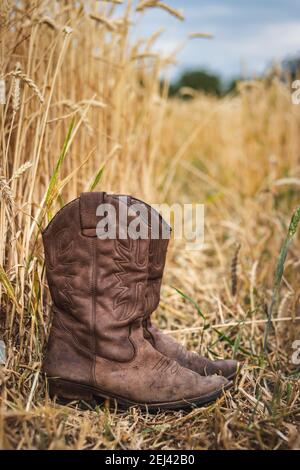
(85, 110)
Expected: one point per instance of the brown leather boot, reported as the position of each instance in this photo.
(96, 346)
(162, 342)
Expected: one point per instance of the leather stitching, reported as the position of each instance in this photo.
(165, 364)
(123, 263)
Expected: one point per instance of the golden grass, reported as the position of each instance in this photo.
(239, 155)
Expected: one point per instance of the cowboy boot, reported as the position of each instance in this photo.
(160, 341)
(96, 347)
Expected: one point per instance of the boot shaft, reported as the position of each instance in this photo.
(157, 259)
(98, 287)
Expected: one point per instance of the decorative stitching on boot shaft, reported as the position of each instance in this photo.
(128, 293)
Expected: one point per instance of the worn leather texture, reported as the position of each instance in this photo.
(99, 290)
(165, 343)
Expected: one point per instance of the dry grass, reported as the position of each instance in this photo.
(239, 155)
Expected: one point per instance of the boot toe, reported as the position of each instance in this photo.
(228, 368)
(212, 384)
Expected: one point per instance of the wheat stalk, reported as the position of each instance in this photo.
(77, 108)
(232, 324)
(49, 22)
(2, 89)
(6, 193)
(17, 74)
(117, 2)
(16, 91)
(20, 171)
(200, 35)
(101, 19)
(5, 6)
(16, 95)
(157, 4)
(67, 30)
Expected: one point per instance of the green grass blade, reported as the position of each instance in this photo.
(236, 345)
(231, 343)
(96, 179)
(52, 188)
(280, 269)
(192, 301)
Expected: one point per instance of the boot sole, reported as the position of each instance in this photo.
(72, 391)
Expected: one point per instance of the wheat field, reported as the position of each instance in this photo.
(85, 109)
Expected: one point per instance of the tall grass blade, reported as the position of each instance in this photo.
(96, 179)
(8, 287)
(279, 271)
(192, 301)
(52, 188)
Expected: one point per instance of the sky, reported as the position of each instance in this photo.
(248, 35)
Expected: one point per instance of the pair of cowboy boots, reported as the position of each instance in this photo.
(102, 343)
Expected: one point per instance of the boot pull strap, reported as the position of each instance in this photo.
(88, 203)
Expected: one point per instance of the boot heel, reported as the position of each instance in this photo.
(69, 390)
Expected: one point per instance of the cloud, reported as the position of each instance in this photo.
(253, 33)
